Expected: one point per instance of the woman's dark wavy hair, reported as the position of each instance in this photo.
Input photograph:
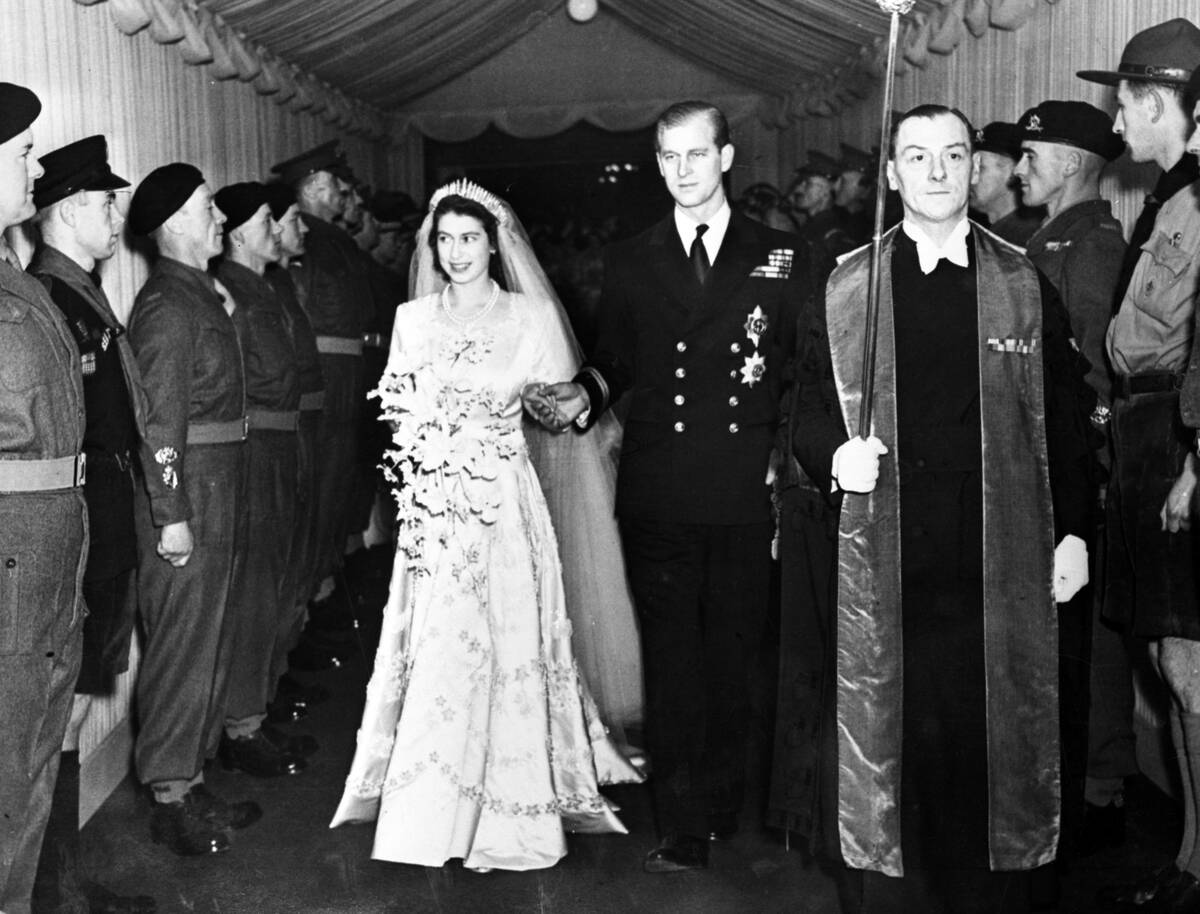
(461, 206)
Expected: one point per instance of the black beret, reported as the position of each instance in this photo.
(19, 108)
(1072, 124)
(82, 165)
(160, 195)
(1164, 53)
(999, 137)
(281, 198)
(320, 158)
(240, 201)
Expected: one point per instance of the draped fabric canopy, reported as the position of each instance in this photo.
(803, 57)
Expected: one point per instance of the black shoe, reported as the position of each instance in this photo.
(258, 756)
(300, 745)
(221, 813)
(285, 711)
(311, 659)
(102, 900)
(722, 826)
(292, 689)
(676, 853)
(1155, 885)
(182, 828)
(1103, 827)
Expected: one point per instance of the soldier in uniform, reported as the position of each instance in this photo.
(812, 194)
(80, 224)
(1064, 148)
(1152, 587)
(698, 319)
(187, 508)
(852, 196)
(259, 597)
(292, 696)
(43, 522)
(995, 197)
(337, 299)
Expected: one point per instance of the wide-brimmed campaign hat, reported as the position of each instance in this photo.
(1164, 53)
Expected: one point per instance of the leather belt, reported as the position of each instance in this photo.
(1127, 386)
(273, 420)
(43, 475)
(376, 340)
(339, 345)
(217, 432)
(312, 401)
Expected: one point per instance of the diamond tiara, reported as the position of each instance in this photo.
(471, 191)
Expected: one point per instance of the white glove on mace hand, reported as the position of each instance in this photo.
(856, 465)
(1070, 568)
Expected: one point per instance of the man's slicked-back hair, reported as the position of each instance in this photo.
(681, 112)
(929, 112)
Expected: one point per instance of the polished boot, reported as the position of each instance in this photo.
(1183, 897)
(677, 852)
(221, 813)
(258, 756)
(300, 745)
(185, 831)
(292, 689)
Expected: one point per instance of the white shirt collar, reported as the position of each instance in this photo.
(929, 252)
(685, 225)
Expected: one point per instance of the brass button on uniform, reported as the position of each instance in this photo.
(735, 348)
(733, 375)
(679, 426)
(679, 399)
(733, 401)
(680, 373)
(681, 346)
(733, 428)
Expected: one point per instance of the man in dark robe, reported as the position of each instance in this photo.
(944, 788)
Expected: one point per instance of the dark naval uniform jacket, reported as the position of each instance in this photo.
(703, 367)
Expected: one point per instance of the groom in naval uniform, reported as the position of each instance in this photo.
(698, 318)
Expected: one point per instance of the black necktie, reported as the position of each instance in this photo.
(699, 255)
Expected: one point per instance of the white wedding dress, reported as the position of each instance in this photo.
(479, 739)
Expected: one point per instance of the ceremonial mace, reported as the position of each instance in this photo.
(897, 8)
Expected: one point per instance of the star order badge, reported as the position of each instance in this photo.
(756, 325)
(754, 369)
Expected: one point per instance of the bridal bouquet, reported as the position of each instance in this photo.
(449, 442)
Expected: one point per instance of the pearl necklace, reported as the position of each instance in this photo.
(467, 322)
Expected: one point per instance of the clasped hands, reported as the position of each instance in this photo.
(555, 406)
(856, 470)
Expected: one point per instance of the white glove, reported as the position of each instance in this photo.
(1070, 568)
(856, 465)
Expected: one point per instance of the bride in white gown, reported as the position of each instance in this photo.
(479, 738)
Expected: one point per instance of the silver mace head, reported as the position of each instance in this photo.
(896, 6)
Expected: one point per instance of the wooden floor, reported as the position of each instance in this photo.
(292, 862)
